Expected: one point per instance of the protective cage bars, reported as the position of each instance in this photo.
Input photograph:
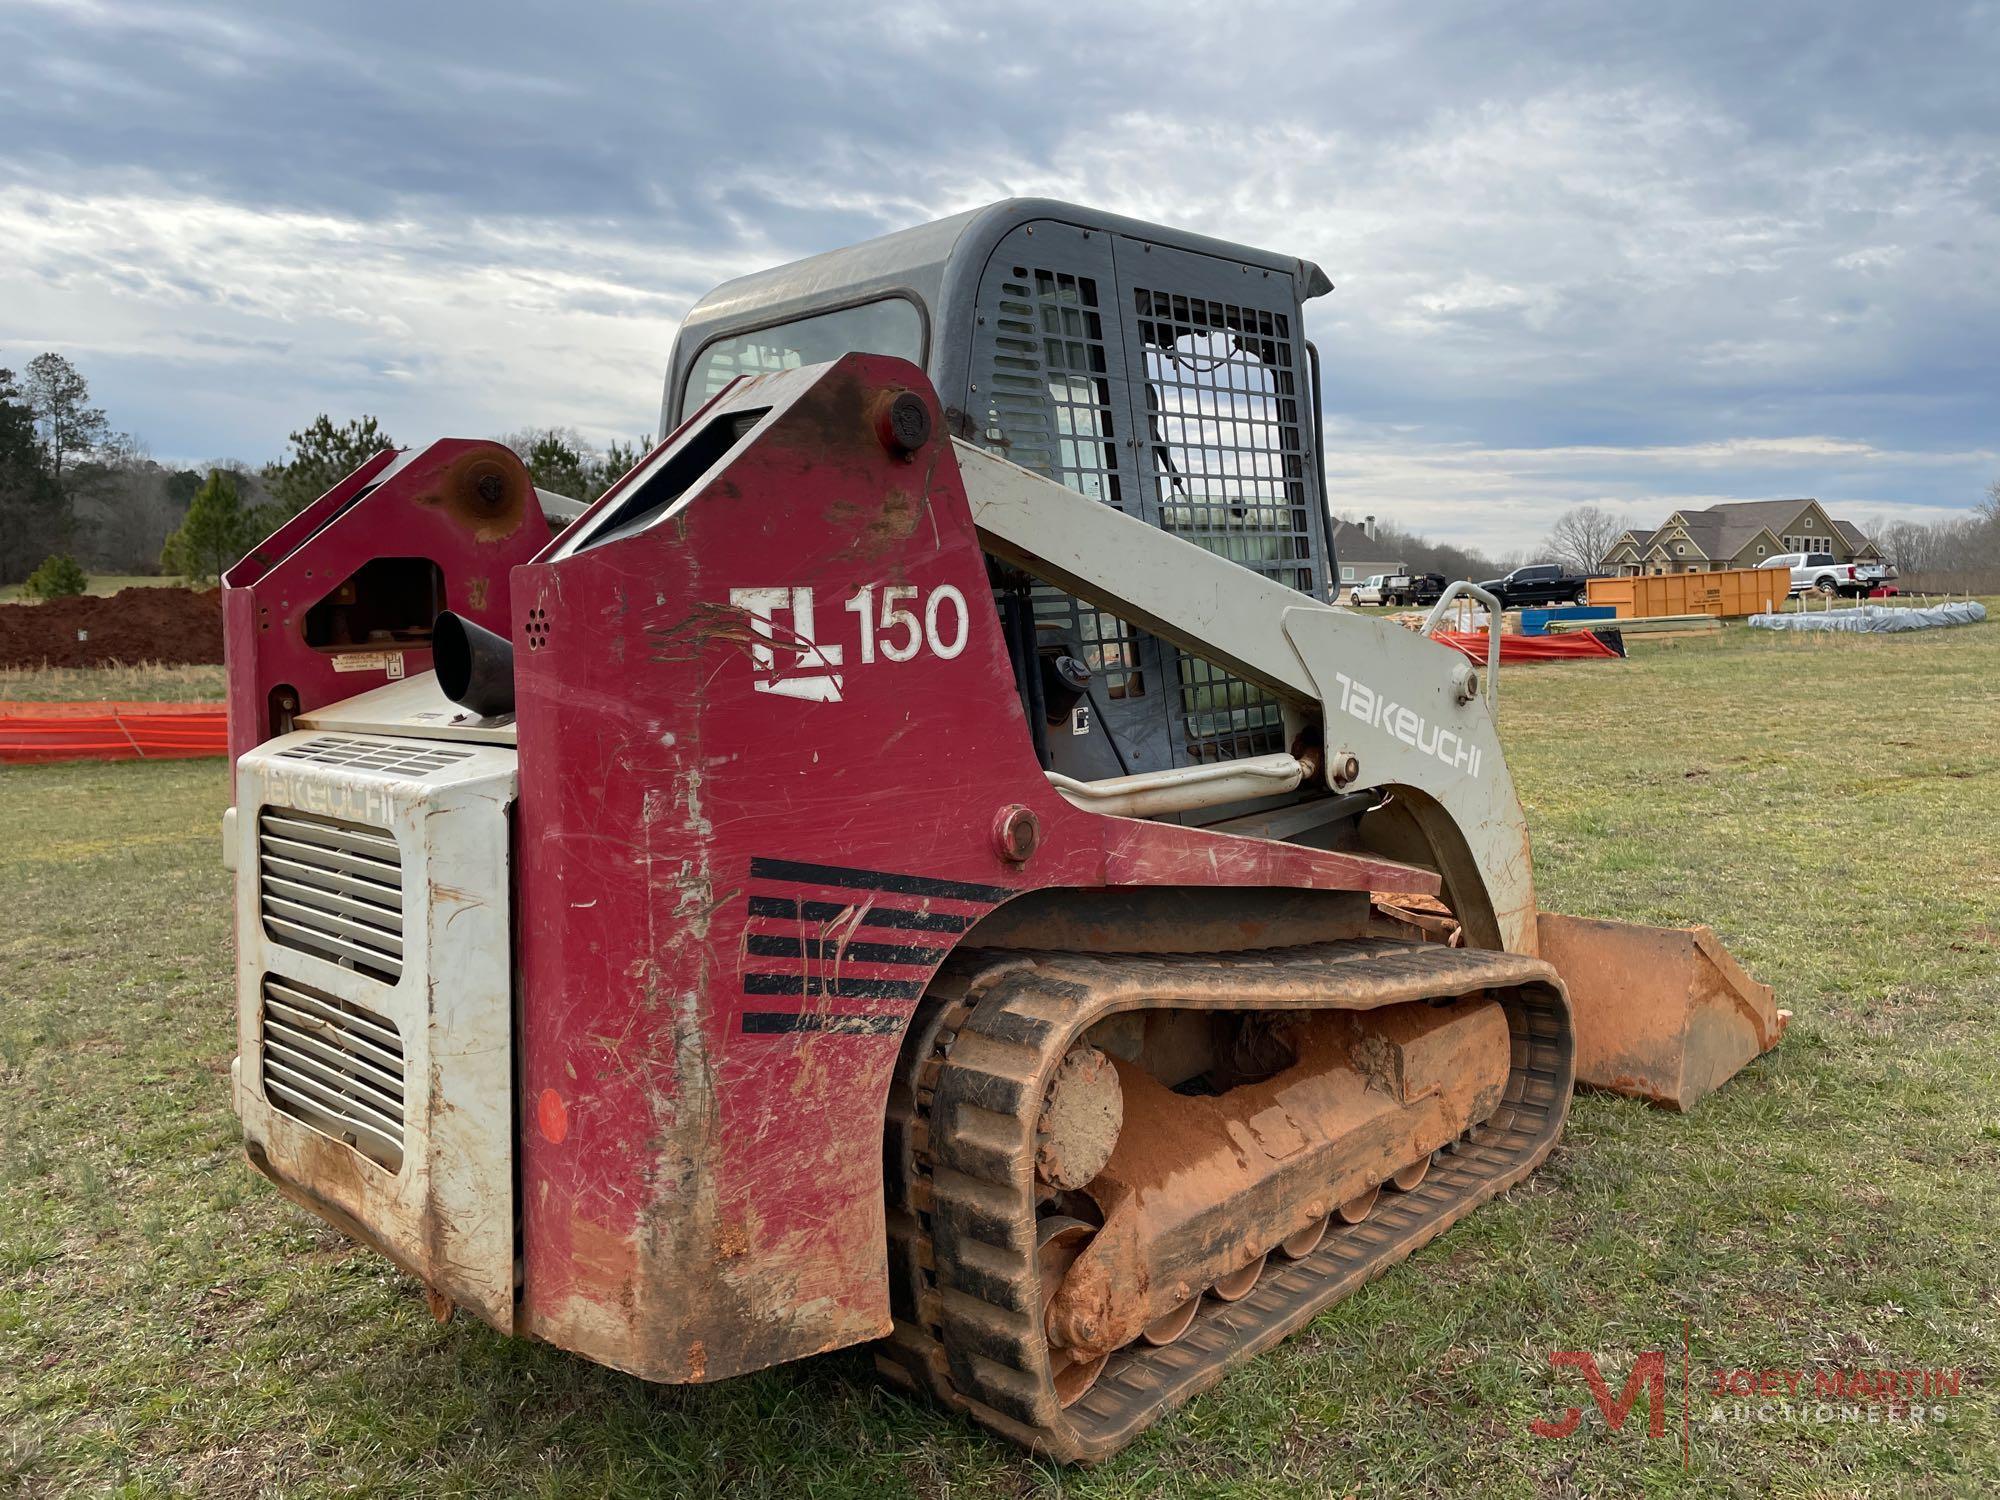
(1182, 400)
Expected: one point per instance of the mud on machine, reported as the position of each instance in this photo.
(915, 862)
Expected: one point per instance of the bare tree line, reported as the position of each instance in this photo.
(1420, 554)
(1961, 555)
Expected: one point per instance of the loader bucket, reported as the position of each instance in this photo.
(1662, 1013)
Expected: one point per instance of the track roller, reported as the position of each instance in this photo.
(1059, 1240)
(1407, 1179)
(1359, 1207)
(1040, 1298)
(1238, 1285)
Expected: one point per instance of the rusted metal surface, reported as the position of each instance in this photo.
(1199, 1188)
(465, 504)
(1662, 1013)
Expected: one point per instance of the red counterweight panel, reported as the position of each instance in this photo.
(341, 598)
(771, 753)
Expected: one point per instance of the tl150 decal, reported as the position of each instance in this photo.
(895, 623)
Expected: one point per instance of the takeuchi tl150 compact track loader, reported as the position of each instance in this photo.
(916, 862)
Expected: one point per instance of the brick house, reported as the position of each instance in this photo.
(1737, 534)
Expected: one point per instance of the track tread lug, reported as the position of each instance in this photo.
(994, 1025)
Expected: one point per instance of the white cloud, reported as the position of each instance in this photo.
(1567, 271)
(475, 327)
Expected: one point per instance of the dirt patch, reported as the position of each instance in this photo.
(175, 626)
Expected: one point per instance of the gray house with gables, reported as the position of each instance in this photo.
(1737, 534)
(1361, 555)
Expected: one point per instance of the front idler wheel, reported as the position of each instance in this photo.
(1059, 1240)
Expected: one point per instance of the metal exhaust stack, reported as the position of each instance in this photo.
(475, 667)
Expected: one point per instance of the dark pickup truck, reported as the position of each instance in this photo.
(1412, 588)
(1540, 583)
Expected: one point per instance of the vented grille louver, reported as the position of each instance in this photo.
(337, 1066)
(333, 888)
(374, 755)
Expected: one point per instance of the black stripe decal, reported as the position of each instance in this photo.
(813, 984)
(876, 880)
(874, 916)
(776, 1022)
(768, 945)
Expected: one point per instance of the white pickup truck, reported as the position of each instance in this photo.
(1818, 572)
(1368, 591)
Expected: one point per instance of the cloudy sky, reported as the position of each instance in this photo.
(1638, 255)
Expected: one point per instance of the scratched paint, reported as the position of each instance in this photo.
(773, 879)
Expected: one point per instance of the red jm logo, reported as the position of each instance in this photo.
(1648, 1373)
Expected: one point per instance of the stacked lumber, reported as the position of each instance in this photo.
(1644, 625)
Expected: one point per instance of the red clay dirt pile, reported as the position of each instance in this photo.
(176, 626)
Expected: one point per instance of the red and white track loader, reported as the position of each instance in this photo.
(913, 863)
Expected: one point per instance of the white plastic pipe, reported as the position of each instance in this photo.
(1184, 788)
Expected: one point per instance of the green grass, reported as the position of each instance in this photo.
(168, 1325)
(104, 583)
(150, 682)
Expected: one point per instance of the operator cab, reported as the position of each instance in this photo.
(1163, 373)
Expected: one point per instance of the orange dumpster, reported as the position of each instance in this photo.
(1728, 595)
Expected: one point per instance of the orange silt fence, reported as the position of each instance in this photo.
(38, 733)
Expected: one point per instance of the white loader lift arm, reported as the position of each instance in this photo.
(1396, 712)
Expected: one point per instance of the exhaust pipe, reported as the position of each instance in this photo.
(475, 667)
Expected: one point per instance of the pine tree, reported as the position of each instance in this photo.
(70, 427)
(322, 456)
(33, 519)
(218, 530)
(59, 577)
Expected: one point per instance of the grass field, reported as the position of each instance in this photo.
(169, 1326)
(103, 584)
(147, 683)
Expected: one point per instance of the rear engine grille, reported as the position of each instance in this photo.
(337, 1066)
(374, 755)
(332, 888)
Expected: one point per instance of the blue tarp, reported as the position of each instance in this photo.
(1536, 621)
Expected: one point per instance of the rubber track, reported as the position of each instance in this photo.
(960, 1176)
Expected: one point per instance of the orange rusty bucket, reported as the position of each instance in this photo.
(1661, 1013)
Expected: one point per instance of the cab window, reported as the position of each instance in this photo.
(890, 325)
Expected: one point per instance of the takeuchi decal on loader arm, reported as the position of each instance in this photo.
(849, 886)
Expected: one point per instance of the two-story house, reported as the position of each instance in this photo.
(1737, 534)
